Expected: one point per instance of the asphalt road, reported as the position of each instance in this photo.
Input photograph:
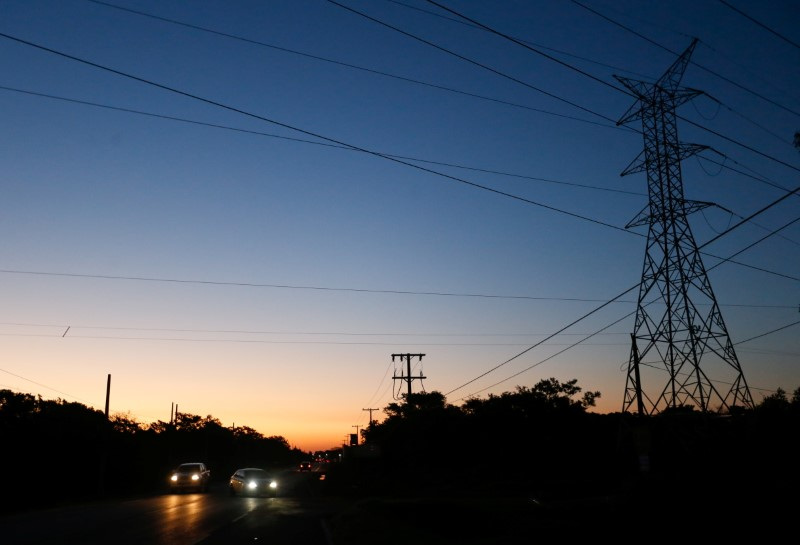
(294, 517)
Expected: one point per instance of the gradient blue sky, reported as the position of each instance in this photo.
(258, 272)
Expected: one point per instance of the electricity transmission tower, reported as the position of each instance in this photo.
(678, 325)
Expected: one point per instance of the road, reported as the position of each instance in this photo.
(213, 518)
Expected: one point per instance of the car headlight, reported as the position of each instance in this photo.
(273, 484)
(173, 478)
(195, 477)
(252, 484)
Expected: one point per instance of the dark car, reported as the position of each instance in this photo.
(252, 481)
(190, 476)
(305, 466)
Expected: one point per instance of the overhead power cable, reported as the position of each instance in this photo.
(313, 142)
(768, 333)
(43, 385)
(509, 360)
(555, 60)
(348, 148)
(612, 86)
(332, 333)
(526, 43)
(759, 23)
(308, 133)
(328, 139)
(476, 63)
(259, 341)
(540, 46)
(712, 72)
(533, 49)
(571, 67)
(582, 341)
(767, 130)
(745, 146)
(596, 309)
(538, 363)
(354, 66)
(289, 286)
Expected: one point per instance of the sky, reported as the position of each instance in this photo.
(245, 208)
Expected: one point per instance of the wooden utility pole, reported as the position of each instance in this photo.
(370, 415)
(108, 393)
(407, 376)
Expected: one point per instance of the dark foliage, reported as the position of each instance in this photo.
(543, 442)
(56, 452)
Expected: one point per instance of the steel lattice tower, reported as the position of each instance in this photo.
(678, 325)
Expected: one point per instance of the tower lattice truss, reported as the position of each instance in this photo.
(681, 353)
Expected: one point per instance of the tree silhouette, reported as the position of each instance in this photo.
(98, 456)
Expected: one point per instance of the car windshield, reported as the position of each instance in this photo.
(255, 474)
(189, 468)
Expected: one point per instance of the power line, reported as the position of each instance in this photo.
(44, 386)
(751, 121)
(127, 110)
(312, 142)
(559, 62)
(759, 23)
(348, 65)
(300, 140)
(471, 61)
(642, 36)
(727, 231)
(768, 332)
(745, 146)
(580, 342)
(533, 49)
(349, 146)
(289, 286)
(540, 46)
(347, 333)
(509, 360)
(308, 133)
(88, 403)
(584, 73)
(260, 341)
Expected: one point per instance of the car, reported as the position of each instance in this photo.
(190, 476)
(252, 481)
(305, 466)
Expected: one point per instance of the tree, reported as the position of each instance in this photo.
(775, 402)
(416, 403)
(548, 396)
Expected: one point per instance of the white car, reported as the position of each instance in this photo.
(252, 481)
(190, 476)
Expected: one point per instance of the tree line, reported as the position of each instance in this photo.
(544, 441)
(58, 451)
(541, 440)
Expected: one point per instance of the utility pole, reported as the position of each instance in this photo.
(407, 376)
(370, 415)
(356, 426)
(678, 324)
(101, 482)
(108, 393)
